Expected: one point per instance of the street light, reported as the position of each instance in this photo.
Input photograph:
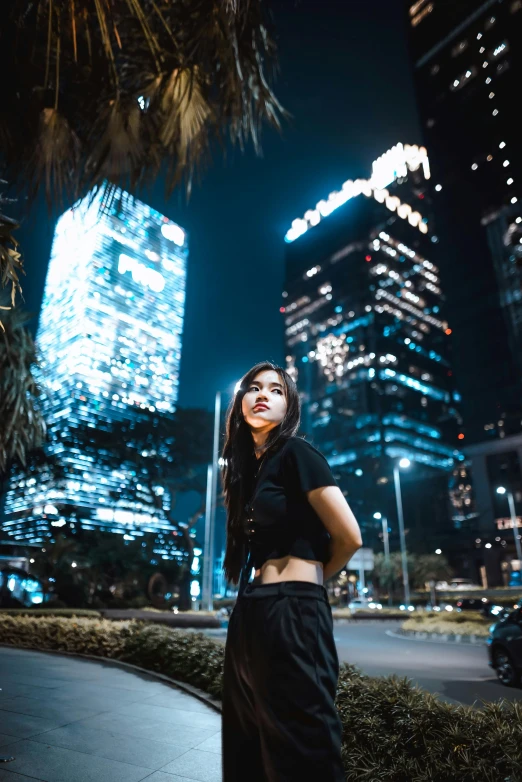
(386, 542)
(210, 511)
(404, 463)
(514, 521)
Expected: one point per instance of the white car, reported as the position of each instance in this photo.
(358, 603)
(457, 583)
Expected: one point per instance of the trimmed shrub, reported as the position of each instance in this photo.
(392, 731)
(465, 623)
(69, 612)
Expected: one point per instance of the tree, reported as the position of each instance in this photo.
(124, 89)
(22, 427)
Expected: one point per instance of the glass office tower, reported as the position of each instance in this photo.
(109, 337)
(467, 65)
(368, 344)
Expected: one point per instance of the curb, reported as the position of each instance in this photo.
(441, 638)
(214, 703)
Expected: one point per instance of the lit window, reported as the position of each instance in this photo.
(502, 143)
(489, 157)
(505, 163)
(491, 95)
(479, 36)
(434, 69)
(495, 112)
(518, 220)
(485, 64)
(459, 48)
(489, 24)
(488, 80)
(425, 11)
(456, 83)
(474, 167)
(482, 49)
(502, 47)
(438, 188)
(510, 181)
(514, 200)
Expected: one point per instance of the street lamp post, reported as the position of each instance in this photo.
(386, 541)
(210, 514)
(396, 476)
(511, 502)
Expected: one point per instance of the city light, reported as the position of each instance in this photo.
(438, 551)
(377, 515)
(501, 490)
(404, 463)
(395, 163)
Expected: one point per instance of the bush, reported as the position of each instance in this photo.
(66, 612)
(392, 731)
(465, 623)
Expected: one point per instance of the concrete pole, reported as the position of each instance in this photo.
(515, 524)
(400, 516)
(215, 470)
(205, 581)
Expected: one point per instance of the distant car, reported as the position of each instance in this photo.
(358, 602)
(457, 583)
(481, 604)
(505, 647)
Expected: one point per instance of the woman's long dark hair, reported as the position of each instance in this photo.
(239, 460)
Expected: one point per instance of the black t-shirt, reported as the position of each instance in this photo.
(279, 519)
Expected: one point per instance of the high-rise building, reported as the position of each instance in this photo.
(109, 339)
(368, 344)
(467, 59)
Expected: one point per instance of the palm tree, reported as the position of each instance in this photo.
(124, 89)
(22, 427)
(10, 260)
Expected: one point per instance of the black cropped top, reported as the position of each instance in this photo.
(279, 520)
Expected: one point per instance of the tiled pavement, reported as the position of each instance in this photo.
(67, 719)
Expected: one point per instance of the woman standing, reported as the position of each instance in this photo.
(287, 519)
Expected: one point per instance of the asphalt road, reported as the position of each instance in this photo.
(458, 673)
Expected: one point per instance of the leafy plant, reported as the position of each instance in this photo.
(124, 89)
(22, 427)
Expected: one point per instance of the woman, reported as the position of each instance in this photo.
(287, 518)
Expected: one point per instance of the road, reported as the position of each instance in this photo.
(458, 673)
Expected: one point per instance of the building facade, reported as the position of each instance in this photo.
(369, 345)
(109, 340)
(467, 60)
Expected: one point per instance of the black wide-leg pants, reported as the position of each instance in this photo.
(279, 720)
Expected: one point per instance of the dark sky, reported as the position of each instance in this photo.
(345, 78)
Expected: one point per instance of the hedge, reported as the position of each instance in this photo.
(392, 731)
(465, 623)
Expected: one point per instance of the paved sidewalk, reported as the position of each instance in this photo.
(72, 720)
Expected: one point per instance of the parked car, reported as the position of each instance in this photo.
(505, 647)
(481, 604)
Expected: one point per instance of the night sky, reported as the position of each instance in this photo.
(345, 77)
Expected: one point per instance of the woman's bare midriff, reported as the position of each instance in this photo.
(289, 568)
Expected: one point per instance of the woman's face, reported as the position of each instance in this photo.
(266, 388)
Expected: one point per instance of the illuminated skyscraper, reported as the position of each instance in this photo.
(109, 336)
(368, 343)
(467, 61)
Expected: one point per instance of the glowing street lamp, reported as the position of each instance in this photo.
(503, 490)
(404, 464)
